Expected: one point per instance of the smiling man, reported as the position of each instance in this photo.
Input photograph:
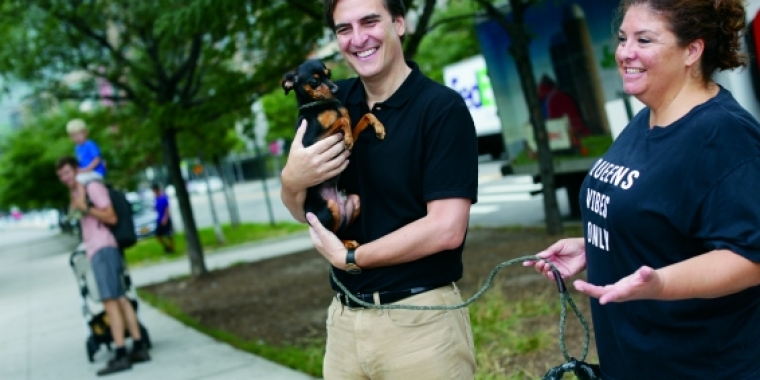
(415, 189)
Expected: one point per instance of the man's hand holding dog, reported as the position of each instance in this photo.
(327, 243)
(309, 166)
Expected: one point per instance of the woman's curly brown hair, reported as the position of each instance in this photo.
(719, 23)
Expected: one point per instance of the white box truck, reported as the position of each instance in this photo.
(470, 79)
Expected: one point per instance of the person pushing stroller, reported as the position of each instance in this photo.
(107, 265)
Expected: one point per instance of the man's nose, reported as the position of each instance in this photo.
(359, 37)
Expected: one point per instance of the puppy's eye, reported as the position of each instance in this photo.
(313, 82)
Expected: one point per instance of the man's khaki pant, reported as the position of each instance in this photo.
(401, 344)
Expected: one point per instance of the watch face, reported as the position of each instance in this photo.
(353, 269)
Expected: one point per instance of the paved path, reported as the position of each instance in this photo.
(42, 330)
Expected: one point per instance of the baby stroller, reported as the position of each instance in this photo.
(98, 330)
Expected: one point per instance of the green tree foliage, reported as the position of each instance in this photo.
(281, 112)
(451, 38)
(27, 165)
(176, 66)
(194, 143)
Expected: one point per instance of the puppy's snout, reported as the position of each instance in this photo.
(333, 88)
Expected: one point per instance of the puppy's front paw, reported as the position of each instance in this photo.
(350, 244)
(379, 130)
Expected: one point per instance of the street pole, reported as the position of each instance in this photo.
(231, 188)
(238, 169)
(217, 227)
(262, 169)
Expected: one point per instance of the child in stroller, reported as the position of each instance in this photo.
(98, 330)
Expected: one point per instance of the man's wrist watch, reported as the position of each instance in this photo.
(351, 266)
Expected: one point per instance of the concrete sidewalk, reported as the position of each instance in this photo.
(43, 332)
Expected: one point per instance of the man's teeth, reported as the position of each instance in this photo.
(633, 71)
(366, 53)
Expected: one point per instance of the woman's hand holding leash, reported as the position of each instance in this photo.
(567, 255)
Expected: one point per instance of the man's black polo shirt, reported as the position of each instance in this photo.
(429, 153)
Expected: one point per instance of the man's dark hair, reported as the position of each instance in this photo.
(155, 186)
(66, 160)
(395, 7)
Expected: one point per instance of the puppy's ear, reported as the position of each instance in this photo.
(289, 81)
(328, 73)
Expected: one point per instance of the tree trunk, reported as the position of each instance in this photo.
(521, 53)
(229, 193)
(413, 42)
(194, 247)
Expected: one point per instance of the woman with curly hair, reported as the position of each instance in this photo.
(671, 212)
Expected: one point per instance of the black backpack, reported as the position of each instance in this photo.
(124, 229)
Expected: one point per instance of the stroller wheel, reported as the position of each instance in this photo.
(91, 347)
(145, 337)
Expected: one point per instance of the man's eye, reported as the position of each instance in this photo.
(644, 40)
(621, 39)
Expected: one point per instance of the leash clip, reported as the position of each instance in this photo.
(581, 370)
(558, 278)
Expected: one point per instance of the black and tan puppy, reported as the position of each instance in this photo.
(325, 116)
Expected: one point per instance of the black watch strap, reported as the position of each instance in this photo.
(351, 266)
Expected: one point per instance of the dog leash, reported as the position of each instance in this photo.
(579, 367)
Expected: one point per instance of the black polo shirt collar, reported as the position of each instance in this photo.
(408, 88)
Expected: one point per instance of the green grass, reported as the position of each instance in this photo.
(306, 357)
(150, 251)
(500, 331)
(597, 145)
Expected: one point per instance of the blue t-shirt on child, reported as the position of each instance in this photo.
(87, 152)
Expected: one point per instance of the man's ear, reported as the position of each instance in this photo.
(399, 23)
(288, 81)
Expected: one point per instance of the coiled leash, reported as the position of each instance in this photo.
(581, 369)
